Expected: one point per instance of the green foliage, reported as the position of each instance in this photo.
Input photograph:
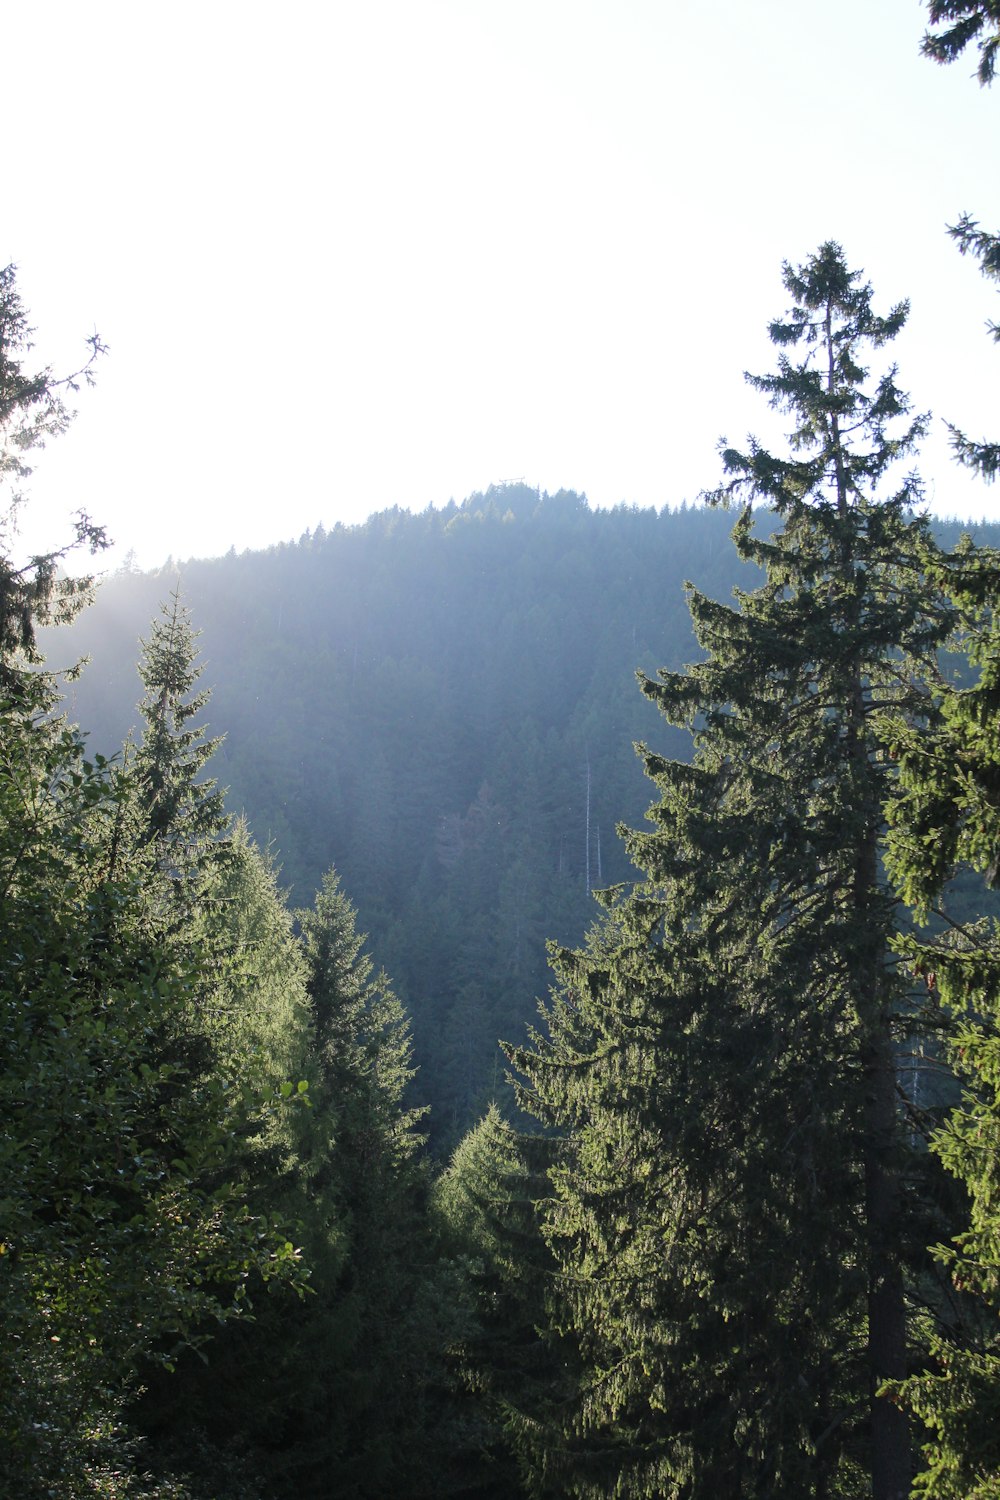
(486, 1210)
(729, 1215)
(949, 812)
(125, 1236)
(420, 696)
(334, 1390)
(122, 1236)
(361, 1345)
(256, 1025)
(961, 23)
(958, 1397)
(982, 457)
(32, 410)
(361, 1033)
(182, 812)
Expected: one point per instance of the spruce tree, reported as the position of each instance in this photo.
(230, 1398)
(948, 814)
(356, 1352)
(729, 1220)
(124, 1235)
(182, 814)
(486, 1209)
(960, 24)
(121, 1235)
(32, 410)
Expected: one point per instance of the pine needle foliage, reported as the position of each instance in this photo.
(32, 410)
(963, 23)
(182, 810)
(486, 1205)
(124, 1237)
(981, 456)
(360, 1346)
(729, 1217)
(947, 814)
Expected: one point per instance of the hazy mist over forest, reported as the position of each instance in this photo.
(500, 995)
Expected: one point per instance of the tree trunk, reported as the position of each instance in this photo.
(891, 1466)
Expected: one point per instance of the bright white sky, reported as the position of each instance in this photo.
(347, 256)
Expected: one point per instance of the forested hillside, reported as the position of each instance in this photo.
(443, 706)
(734, 1230)
(742, 1064)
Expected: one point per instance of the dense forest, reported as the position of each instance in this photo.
(279, 868)
(444, 707)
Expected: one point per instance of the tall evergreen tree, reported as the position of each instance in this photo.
(729, 1222)
(219, 899)
(123, 1232)
(182, 810)
(120, 1234)
(948, 813)
(229, 1399)
(32, 410)
(486, 1207)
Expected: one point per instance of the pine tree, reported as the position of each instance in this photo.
(729, 1221)
(230, 1397)
(948, 813)
(960, 23)
(124, 1235)
(486, 1208)
(182, 814)
(357, 1350)
(120, 1234)
(981, 455)
(32, 410)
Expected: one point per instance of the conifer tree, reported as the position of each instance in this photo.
(730, 1216)
(961, 23)
(124, 1235)
(182, 811)
(251, 1029)
(947, 814)
(32, 410)
(486, 1209)
(253, 1023)
(357, 1349)
(120, 1233)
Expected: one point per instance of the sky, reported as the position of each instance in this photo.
(347, 256)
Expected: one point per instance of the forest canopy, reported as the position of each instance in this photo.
(716, 1217)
